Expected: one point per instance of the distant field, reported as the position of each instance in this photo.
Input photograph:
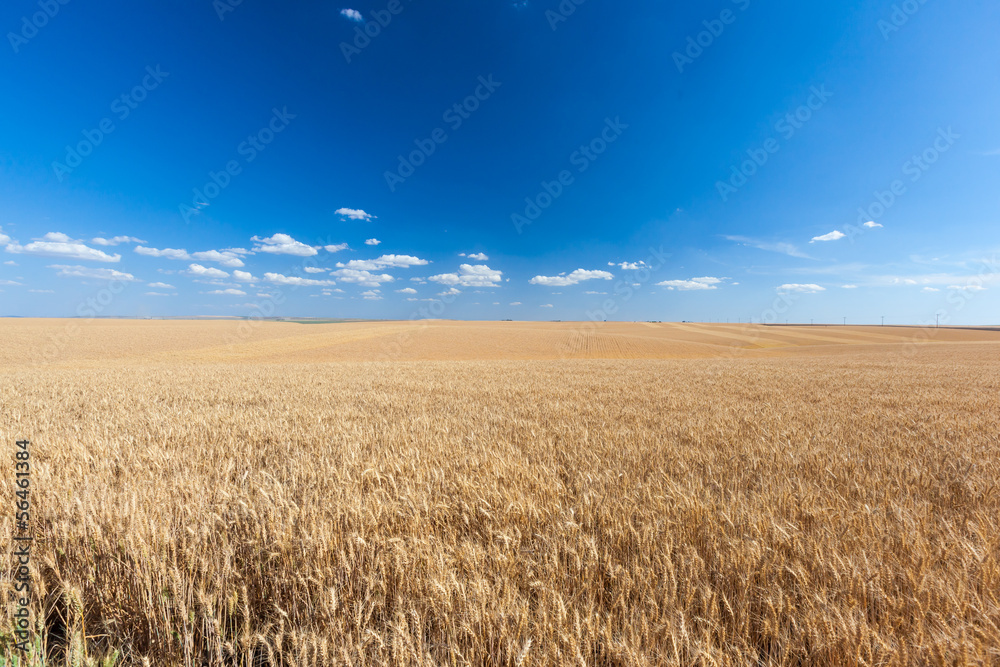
(506, 493)
(56, 342)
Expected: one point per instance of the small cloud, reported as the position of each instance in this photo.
(115, 240)
(85, 272)
(296, 281)
(809, 288)
(470, 275)
(42, 291)
(835, 235)
(407, 290)
(449, 292)
(704, 283)
(228, 292)
(592, 292)
(283, 244)
(10, 283)
(478, 256)
(515, 303)
(57, 244)
(849, 286)
(335, 248)
(930, 289)
(354, 213)
(206, 272)
(10, 263)
(160, 286)
(968, 288)
(158, 294)
(577, 276)
(372, 242)
(169, 253)
(352, 15)
(546, 305)
(314, 269)
(630, 266)
(871, 224)
(372, 295)
(244, 277)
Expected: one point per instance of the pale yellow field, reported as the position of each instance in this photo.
(507, 493)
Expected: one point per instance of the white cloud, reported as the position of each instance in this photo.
(115, 240)
(835, 235)
(849, 286)
(478, 256)
(282, 244)
(546, 305)
(206, 272)
(354, 213)
(85, 272)
(225, 258)
(871, 224)
(362, 277)
(9, 282)
(449, 292)
(630, 266)
(57, 244)
(372, 242)
(228, 292)
(244, 277)
(704, 283)
(407, 290)
(515, 303)
(279, 279)
(930, 289)
(314, 269)
(158, 294)
(4, 238)
(593, 292)
(160, 286)
(9, 262)
(573, 278)
(968, 288)
(335, 248)
(383, 262)
(371, 295)
(169, 253)
(352, 15)
(42, 291)
(470, 275)
(802, 289)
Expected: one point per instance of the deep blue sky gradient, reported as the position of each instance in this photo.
(891, 94)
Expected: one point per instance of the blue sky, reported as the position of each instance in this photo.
(538, 160)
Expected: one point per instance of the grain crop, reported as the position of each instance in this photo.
(506, 493)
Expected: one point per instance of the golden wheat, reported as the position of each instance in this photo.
(832, 505)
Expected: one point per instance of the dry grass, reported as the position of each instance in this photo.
(817, 505)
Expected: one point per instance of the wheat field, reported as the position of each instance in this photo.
(225, 493)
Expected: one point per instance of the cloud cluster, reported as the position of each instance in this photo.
(354, 213)
(283, 244)
(704, 283)
(57, 244)
(470, 275)
(578, 276)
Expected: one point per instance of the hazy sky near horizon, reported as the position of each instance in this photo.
(572, 160)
